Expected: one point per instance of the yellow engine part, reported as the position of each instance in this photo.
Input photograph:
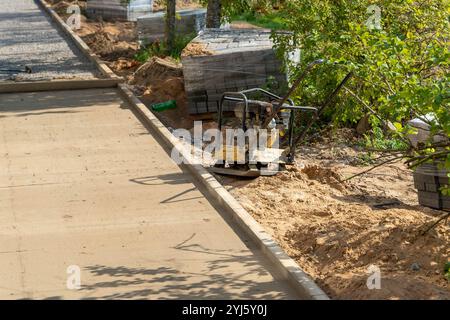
(237, 154)
(231, 154)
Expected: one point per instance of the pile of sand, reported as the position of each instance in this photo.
(336, 230)
(124, 64)
(155, 70)
(159, 80)
(100, 42)
(108, 47)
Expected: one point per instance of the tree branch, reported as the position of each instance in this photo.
(443, 217)
(398, 158)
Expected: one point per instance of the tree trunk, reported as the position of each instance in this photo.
(214, 15)
(170, 24)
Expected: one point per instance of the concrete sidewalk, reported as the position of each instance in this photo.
(83, 182)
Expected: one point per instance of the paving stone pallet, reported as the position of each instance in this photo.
(233, 60)
(189, 22)
(428, 180)
(118, 9)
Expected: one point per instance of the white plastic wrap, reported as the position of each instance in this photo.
(221, 60)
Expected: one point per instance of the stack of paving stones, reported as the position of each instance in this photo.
(118, 9)
(189, 22)
(234, 60)
(428, 179)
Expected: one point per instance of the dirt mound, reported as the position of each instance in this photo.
(108, 47)
(335, 232)
(155, 70)
(169, 89)
(124, 64)
(160, 80)
(324, 175)
(124, 67)
(344, 245)
(100, 42)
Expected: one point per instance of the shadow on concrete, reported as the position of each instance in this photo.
(216, 281)
(26, 114)
(170, 178)
(35, 102)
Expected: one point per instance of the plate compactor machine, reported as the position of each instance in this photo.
(267, 115)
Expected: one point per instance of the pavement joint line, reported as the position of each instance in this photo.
(285, 265)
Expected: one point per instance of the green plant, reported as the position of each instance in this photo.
(142, 55)
(398, 52)
(378, 140)
(234, 8)
(159, 49)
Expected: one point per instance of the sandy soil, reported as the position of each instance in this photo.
(160, 80)
(336, 230)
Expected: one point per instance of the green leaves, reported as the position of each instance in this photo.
(402, 70)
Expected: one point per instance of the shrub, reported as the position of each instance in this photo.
(397, 49)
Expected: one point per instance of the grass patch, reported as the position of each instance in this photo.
(377, 140)
(159, 49)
